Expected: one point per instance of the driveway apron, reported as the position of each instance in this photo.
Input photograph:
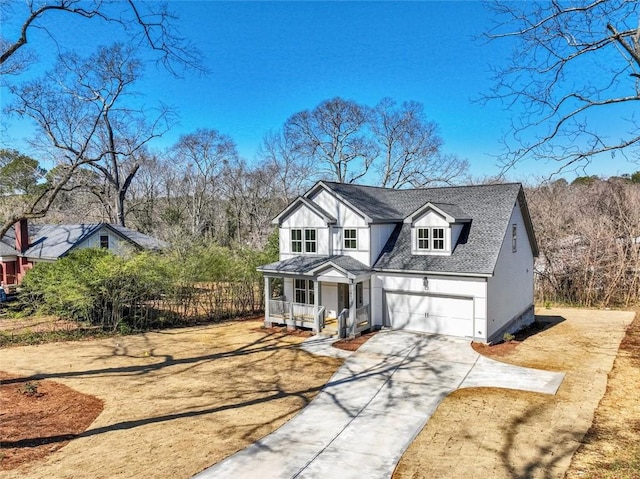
(373, 407)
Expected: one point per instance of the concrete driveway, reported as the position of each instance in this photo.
(373, 407)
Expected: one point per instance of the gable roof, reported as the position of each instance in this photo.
(451, 213)
(489, 206)
(310, 265)
(300, 200)
(48, 241)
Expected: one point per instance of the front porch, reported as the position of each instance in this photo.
(327, 295)
(298, 315)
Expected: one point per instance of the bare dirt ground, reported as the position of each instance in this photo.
(175, 401)
(496, 433)
(611, 448)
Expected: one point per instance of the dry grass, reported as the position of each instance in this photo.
(176, 401)
(512, 434)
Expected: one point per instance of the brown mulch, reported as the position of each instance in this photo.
(353, 344)
(40, 417)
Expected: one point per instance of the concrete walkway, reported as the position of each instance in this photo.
(373, 407)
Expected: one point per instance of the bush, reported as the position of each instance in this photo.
(146, 290)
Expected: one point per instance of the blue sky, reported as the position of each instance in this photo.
(269, 60)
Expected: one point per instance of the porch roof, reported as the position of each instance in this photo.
(310, 265)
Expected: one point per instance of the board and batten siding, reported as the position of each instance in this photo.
(303, 218)
(344, 215)
(361, 253)
(116, 242)
(475, 288)
(380, 234)
(510, 289)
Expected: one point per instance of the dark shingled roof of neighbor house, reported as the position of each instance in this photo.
(53, 241)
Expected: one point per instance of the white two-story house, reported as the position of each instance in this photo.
(456, 261)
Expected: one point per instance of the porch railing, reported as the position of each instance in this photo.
(297, 314)
(363, 319)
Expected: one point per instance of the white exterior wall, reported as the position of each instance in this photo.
(303, 218)
(456, 230)
(379, 236)
(475, 288)
(116, 243)
(511, 287)
(431, 219)
(361, 253)
(344, 215)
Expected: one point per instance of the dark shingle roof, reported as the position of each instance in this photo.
(490, 208)
(307, 264)
(6, 249)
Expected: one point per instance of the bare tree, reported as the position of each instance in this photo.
(292, 171)
(150, 24)
(333, 136)
(571, 60)
(410, 147)
(201, 157)
(80, 115)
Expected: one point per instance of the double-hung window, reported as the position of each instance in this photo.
(350, 239)
(431, 239)
(310, 241)
(303, 291)
(296, 241)
(438, 239)
(104, 241)
(423, 239)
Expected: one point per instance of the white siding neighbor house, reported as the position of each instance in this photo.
(456, 261)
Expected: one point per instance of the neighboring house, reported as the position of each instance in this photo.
(24, 244)
(456, 261)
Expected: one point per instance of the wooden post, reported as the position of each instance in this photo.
(267, 298)
(316, 301)
(352, 309)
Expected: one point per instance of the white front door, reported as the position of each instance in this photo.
(430, 313)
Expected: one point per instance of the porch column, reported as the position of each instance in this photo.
(352, 309)
(267, 297)
(316, 301)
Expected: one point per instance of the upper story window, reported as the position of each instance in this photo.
(423, 238)
(296, 241)
(514, 238)
(431, 239)
(104, 241)
(438, 239)
(310, 241)
(350, 239)
(303, 241)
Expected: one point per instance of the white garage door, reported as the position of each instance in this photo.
(430, 313)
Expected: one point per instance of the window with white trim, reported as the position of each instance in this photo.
(296, 241)
(423, 238)
(303, 291)
(438, 239)
(310, 241)
(514, 238)
(350, 239)
(431, 239)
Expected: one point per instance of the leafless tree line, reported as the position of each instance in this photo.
(589, 238)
